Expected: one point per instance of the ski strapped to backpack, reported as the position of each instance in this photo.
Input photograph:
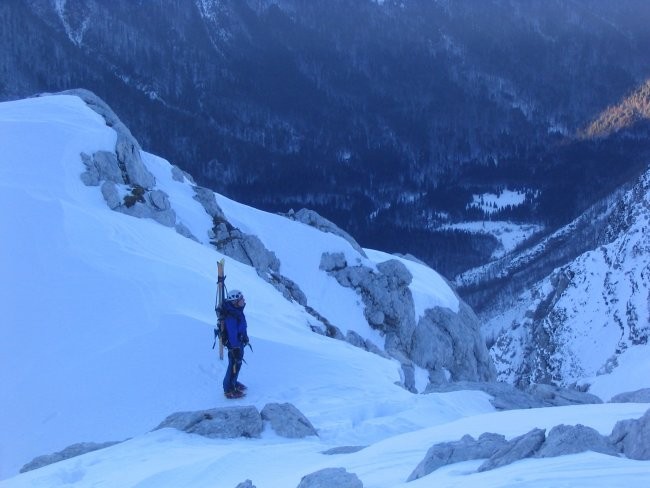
(218, 307)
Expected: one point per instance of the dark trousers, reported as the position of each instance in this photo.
(235, 359)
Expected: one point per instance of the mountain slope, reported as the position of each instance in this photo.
(583, 319)
(108, 324)
(108, 318)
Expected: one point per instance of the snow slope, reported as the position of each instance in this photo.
(589, 319)
(107, 329)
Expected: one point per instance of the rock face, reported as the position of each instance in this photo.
(547, 334)
(447, 341)
(447, 344)
(331, 477)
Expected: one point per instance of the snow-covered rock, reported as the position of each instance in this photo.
(329, 477)
(218, 423)
(578, 324)
(518, 448)
(572, 439)
(69, 452)
(633, 437)
(446, 343)
(287, 421)
(465, 449)
(638, 396)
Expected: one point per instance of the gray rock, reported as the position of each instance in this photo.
(329, 478)
(343, 450)
(107, 166)
(408, 371)
(572, 439)
(632, 437)
(184, 231)
(159, 200)
(127, 148)
(246, 484)
(443, 342)
(181, 176)
(465, 449)
(287, 421)
(313, 219)
(148, 210)
(208, 201)
(232, 242)
(90, 177)
(245, 248)
(508, 397)
(555, 396)
(289, 288)
(111, 195)
(220, 423)
(67, 453)
(103, 165)
(332, 262)
(518, 448)
(638, 396)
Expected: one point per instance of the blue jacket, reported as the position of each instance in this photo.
(236, 327)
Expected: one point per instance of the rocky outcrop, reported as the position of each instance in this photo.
(632, 437)
(242, 421)
(246, 484)
(343, 450)
(447, 344)
(508, 397)
(465, 449)
(629, 437)
(546, 335)
(67, 453)
(638, 396)
(572, 439)
(126, 184)
(287, 421)
(127, 150)
(518, 448)
(329, 477)
(313, 219)
(217, 423)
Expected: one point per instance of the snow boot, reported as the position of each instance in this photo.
(234, 394)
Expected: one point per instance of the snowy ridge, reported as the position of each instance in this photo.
(107, 329)
(578, 324)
